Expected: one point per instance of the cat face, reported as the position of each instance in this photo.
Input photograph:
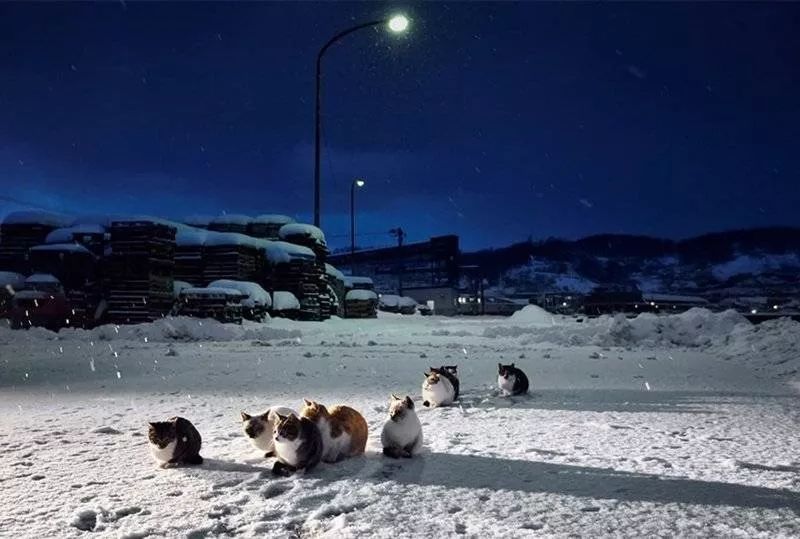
(399, 407)
(162, 433)
(313, 410)
(287, 428)
(431, 378)
(452, 369)
(505, 370)
(254, 426)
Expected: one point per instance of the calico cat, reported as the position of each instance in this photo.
(402, 433)
(297, 444)
(344, 431)
(259, 428)
(174, 442)
(511, 380)
(437, 390)
(451, 373)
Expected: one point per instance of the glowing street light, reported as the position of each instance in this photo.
(396, 24)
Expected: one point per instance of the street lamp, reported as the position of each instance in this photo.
(396, 24)
(358, 182)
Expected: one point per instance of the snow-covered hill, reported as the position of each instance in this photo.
(658, 426)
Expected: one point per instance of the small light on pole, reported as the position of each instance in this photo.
(398, 24)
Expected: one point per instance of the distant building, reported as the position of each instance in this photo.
(426, 271)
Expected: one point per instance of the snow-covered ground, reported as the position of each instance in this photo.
(659, 426)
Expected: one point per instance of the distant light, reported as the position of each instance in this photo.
(398, 23)
(360, 183)
(775, 307)
(753, 311)
(564, 304)
(652, 303)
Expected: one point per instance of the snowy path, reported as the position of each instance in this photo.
(710, 450)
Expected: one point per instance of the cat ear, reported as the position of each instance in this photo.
(152, 425)
(512, 365)
(265, 415)
(395, 397)
(246, 416)
(500, 367)
(281, 417)
(307, 402)
(409, 402)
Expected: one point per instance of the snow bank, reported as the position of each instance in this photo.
(256, 295)
(38, 218)
(179, 328)
(533, 314)
(361, 295)
(284, 301)
(300, 229)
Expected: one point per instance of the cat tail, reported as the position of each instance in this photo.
(194, 459)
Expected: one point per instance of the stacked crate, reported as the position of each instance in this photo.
(231, 256)
(313, 238)
(189, 253)
(140, 271)
(268, 226)
(20, 231)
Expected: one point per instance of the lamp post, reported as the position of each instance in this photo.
(396, 24)
(358, 182)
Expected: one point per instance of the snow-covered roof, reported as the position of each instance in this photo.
(231, 219)
(284, 301)
(301, 229)
(256, 295)
(66, 235)
(361, 295)
(71, 247)
(37, 217)
(333, 272)
(11, 279)
(272, 219)
(42, 278)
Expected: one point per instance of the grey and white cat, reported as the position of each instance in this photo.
(175, 442)
(259, 428)
(402, 433)
(298, 444)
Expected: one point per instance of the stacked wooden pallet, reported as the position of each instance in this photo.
(189, 252)
(230, 223)
(313, 238)
(231, 256)
(336, 290)
(268, 226)
(223, 304)
(361, 301)
(301, 277)
(92, 236)
(20, 231)
(140, 271)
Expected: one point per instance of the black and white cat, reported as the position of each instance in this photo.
(437, 390)
(402, 433)
(451, 373)
(511, 380)
(298, 444)
(259, 428)
(174, 442)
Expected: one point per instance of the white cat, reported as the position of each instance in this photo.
(402, 433)
(437, 390)
(258, 428)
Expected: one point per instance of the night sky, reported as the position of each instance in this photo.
(493, 121)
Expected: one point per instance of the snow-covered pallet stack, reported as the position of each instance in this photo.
(189, 252)
(293, 268)
(313, 238)
(336, 290)
(230, 223)
(140, 271)
(92, 236)
(231, 256)
(223, 304)
(268, 226)
(20, 231)
(361, 301)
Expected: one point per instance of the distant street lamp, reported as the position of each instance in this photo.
(358, 182)
(396, 24)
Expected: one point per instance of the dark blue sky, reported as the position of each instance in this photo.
(493, 121)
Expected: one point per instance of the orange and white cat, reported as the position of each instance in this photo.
(344, 431)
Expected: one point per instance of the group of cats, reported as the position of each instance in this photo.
(317, 433)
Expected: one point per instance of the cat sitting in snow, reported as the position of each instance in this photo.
(402, 433)
(174, 442)
(298, 445)
(344, 430)
(259, 428)
(451, 373)
(511, 380)
(437, 390)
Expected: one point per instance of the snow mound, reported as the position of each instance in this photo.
(281, 252)
(284, 301)
(333, 272)
(256, 295)
(303, 230)
(533, 314)
(361, 295)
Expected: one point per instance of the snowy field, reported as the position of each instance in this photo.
(657, 427)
